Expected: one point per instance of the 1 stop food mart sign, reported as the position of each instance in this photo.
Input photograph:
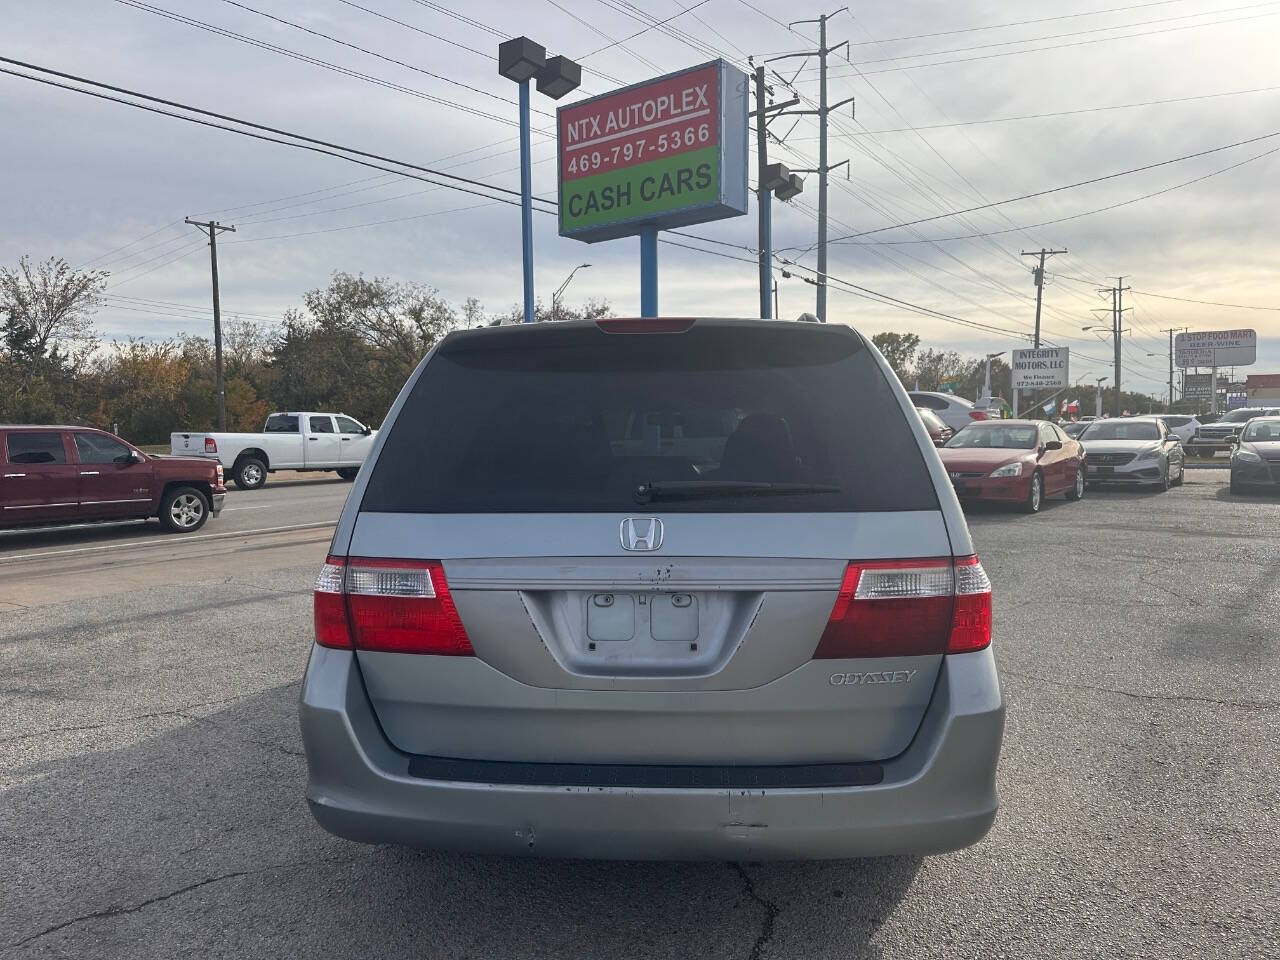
(664, 153)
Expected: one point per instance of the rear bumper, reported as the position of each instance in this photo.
(218, 500)
(1207, 445)
(938, 795)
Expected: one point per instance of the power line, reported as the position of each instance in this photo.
(1061, 46)
(1207, 303)
(1020, 23)
(461, 18)
(1054, 113)
(313, 144)
(614, 43)
(1074, 33)
(1059, 189)
(316, 61)
(374, 53)
(1074, 216)
(425, 33)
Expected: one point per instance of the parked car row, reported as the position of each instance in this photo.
(1216, 437)
(1023, 461)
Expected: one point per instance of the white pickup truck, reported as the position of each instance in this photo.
(299, 440)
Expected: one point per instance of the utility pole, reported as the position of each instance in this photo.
(1171, 331)
(823, 167)
(769, 180)
(1038, 274)
(213, 228)
(1117, 331)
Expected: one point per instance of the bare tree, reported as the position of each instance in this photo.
(49, 306)
(46, 334)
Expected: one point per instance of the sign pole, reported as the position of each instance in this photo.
(526, 203)
(648, 271)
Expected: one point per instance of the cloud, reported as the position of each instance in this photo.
(84, 176)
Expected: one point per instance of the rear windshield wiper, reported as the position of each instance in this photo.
(698, 489)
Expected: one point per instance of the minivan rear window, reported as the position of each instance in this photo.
(745, 417)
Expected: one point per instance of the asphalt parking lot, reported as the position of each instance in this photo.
(151, 773)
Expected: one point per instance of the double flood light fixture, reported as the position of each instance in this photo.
(781, 182)
(520, 60)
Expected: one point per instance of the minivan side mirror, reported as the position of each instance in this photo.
(1053, 445)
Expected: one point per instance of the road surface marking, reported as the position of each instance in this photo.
(181, 538)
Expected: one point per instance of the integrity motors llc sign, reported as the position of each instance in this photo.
(1040, 368)
(664, 153)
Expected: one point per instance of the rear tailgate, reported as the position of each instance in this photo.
(190, 444)
(599, 637)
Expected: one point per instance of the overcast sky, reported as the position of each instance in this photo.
(85, 177)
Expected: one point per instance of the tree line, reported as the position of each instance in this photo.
(349, 347)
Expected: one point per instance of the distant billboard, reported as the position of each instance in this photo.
(667, 152)
(1196, 386)
(1222, 348)
(1039, 369)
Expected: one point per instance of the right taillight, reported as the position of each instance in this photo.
(210, 445)
(902, 608)
(393, 606)
(971, 619)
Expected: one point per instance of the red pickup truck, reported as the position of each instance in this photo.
(58, 475)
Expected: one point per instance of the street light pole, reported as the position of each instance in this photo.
(555, 297)
(526, 202)
(1097, 413)
(986, 387)
(521, 60)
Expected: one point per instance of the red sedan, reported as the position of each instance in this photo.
(1014, 461)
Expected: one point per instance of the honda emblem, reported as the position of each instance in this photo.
(641, 533)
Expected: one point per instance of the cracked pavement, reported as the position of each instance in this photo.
(151, 773)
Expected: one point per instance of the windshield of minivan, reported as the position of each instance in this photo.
(996, 435)
(722, 417)
(1121, 430)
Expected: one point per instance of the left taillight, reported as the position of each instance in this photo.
(217, 472)
(394, 606)
(904, 608)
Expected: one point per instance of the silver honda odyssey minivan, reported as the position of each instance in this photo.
(659, 588)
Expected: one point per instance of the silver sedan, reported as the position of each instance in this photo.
(1133, 450)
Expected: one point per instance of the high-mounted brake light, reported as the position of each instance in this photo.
(395, 606)
(902, 608)
(210, 445)
(645, 324)
(977, 415)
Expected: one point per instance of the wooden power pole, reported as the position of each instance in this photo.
(213, 228)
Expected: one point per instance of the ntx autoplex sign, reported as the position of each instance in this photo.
(665, 153)
(1222, 348)
(1041, 367)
